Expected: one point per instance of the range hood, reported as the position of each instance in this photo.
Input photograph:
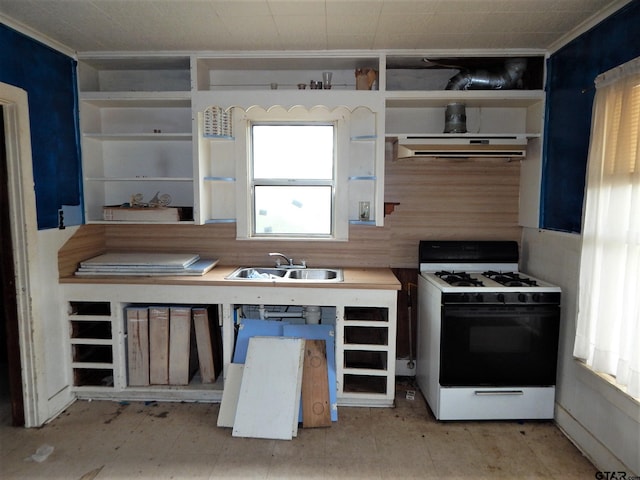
(462, 146)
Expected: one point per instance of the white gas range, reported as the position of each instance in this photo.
(487, 333)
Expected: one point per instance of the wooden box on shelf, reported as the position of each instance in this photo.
(114, 213)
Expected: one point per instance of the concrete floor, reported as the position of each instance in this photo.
(110, 440)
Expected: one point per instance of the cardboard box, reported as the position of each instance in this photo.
(365, 78)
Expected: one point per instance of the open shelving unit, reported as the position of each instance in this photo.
(135, 117)
(142, 127)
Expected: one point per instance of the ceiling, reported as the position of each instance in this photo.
(214, 25)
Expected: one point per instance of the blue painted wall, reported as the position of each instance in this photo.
(570, 92)
(49, 77)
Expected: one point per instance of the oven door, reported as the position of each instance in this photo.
(499, 345)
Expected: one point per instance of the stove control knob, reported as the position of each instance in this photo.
(522, 297)
(535, 297)
(500, 297)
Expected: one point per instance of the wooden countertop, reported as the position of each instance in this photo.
(365, 278)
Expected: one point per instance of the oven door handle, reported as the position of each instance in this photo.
(482, 393)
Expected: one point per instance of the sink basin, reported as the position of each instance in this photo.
(257, 273)
(287, 274)
(322, 274)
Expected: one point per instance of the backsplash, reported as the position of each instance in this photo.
(437, 199)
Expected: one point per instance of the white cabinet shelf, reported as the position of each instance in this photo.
(216, 158)
(139, 179)
(137, 99)
(416, 96)
(366, 166)
(416, 99)
(365, 337)
(367, 349)
(220, 179)
(91, 342)
(156, 137)
(471, 98)
(135, 118)
(140, 111)
(282, 70)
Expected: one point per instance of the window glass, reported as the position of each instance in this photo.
(293, 179)
(293, 151)
(288, 210)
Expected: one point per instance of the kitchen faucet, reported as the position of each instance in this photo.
(289, 264)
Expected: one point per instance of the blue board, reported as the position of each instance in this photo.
(248, 328)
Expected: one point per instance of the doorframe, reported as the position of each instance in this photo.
(24, 235)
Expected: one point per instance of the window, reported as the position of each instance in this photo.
(293, 179)
(608, 325)
(293, 182)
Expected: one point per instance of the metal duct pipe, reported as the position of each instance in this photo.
(484, 80)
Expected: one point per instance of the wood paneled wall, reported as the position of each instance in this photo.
(438, 199)
(447, 199)
(87, 242)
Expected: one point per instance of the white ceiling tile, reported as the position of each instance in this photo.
(352, 24)
(399, 41)
(525, 5)
(308, 42)
(240, 8)
(466, 6)
(403, 23)
(299, 25)
(409, 7)
(446, 40)
(585, 6)
(297, 7)
(241, 26)
(350, 42)
(455, 24)
(289, 24)
(353, 7)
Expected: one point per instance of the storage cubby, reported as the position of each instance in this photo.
(417, 95)
(366, 351)
(186, 346)
(365, 384)
(364, 167)
(217, 163)
(172, 346)
(431, 72)
(135, 117)
(279, 72)
(134, 73)
(94, 377)
(91, 329)
(91, 343)
(82, 353)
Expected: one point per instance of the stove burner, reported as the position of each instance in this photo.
(459, 279)
(510, 279)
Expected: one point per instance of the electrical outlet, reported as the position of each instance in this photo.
(364, 211)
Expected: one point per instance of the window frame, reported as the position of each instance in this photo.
(285, 182)
(245, 229)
